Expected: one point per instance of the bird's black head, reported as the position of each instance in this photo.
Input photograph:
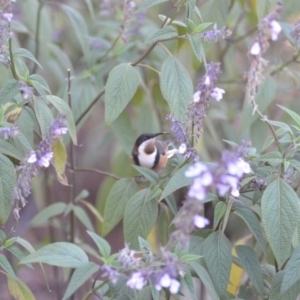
(146, 136)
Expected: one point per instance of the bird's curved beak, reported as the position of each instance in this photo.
(160, 133)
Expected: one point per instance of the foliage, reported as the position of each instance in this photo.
(221, 78)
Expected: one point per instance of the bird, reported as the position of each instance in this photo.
(149, 152)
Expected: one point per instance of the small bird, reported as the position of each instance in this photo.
(149, 152)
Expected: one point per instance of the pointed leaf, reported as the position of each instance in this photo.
(251, 265)
(292, 114)
(7, 183)
(116, 202)
(18, 289)
(206, 279)
(79, 277)
(252, 222)
(220, 210)
(217, 255)
(197, 47)
(6, 266)
(187, 281)
(177, 181)
(9, 91)
(166, 32)
(43, 115)
(176, 86)
(25, 53)
(102, 244)
(10, 150)
(280, 214)
(139, 217)
(292, 271)
(83, 217)
(121, 86)
(148, 174)
(41, 81)
(48, 212)
(60, 254)
(63, 107)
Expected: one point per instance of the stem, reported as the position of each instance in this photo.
(37, 33)
(91, 292)
(101, 93)
(146, 66)
(110, 48)
(293, 59)
(98, 172)
(11, 56)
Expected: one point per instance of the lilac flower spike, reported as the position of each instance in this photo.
(200, 221)
(136, 281)
(9, 132)
(37, 159)
(275, 29)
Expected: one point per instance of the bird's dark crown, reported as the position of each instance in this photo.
(146, 136)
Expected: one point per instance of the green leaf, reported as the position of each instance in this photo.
(252, 222)
(144, 244)
(217, 255)
(79, 277)
(148, 3)
(201, 27)
(251, 265)
(10, 150)
(48, 212)
(187, 281)
(285, 127)
(189, 257)
(148, 174)
(280, 214)
(63, 107)
(206, 279)
(102, 244)
(177, 181)
(197, 47)
(292, 114)
(8, 180)
(43, 115)
(275, 291)
(6, 266)
(39, 87)
(60, 254)
(292, 271)
(25, 244)
(79, 27)
(83, 217)
(25, 53)
(274, 158)
(121, 86)
(220, 210)
(17, 252)
(176, 87)
(166, 32)
(116, 202)
(18, 289)
(139, 217)
(296, 164)
(9, 91)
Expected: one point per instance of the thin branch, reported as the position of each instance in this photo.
(11, 56)
(293, 59)
(98, 172)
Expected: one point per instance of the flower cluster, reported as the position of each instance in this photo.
(162, 271)
(295, 33)
(205, 91)
(5, 19)
(128, 11)
(25, 90)
(37, 159)
(212, 35)
(9, 132)
(225, 177)
(267, 28)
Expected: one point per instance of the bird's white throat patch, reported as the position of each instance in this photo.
(146, 160)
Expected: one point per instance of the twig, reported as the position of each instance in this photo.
(98, 172)
(11, 56)
(293, 59)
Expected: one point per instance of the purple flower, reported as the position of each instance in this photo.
(8, 16)
(275, 29)
(255, 49)
(25, 90)
(167, 282)
(127, 258)
(136, 281)
(200, 221)
(212, 35)
(9, 132)
(110, 273)
(217, 93)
